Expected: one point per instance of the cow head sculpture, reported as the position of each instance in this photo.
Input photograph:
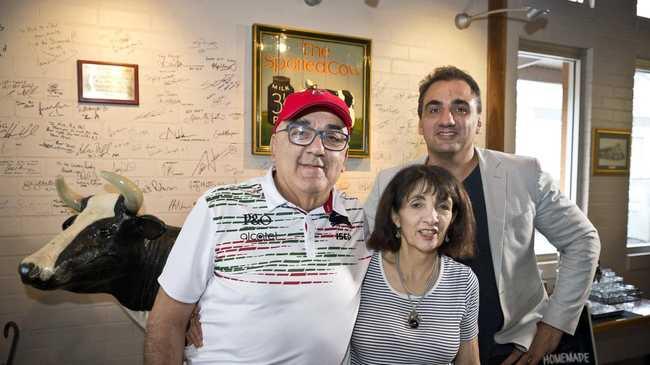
(105, 248)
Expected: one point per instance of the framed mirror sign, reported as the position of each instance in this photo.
(290, 60)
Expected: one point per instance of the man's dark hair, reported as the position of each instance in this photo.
(435, 180)
(448, 73)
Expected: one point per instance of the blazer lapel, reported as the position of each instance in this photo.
(494, 180)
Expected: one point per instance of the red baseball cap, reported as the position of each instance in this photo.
(311, 100)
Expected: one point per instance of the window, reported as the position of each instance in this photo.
(547, 120)
(643, 8)
(638, 219)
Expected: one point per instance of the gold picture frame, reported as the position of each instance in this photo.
(286, 60)
(611, 151)
(107, 82)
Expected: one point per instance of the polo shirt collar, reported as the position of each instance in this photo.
(274, 199)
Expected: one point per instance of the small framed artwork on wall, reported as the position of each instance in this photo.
(108, 83)
(611, 151)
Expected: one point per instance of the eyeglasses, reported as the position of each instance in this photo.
(303, 135)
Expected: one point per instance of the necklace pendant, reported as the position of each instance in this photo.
(414, 319)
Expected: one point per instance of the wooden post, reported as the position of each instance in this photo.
(496, 76)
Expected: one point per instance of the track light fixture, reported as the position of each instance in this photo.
(370, 3)
(463, 20)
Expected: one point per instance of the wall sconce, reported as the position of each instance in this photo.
(463, 20)
(312, 2)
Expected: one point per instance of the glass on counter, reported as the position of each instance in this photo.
(611, 289)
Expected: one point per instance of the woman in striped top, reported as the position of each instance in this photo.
(418, 305)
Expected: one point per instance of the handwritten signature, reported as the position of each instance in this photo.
(19, 167)
(169, 168)
(227, 82)
(25, 104)
(38, 185)
(224, 133)
(58, 145)
(177, 205)
(170, 61)
(91, 112)
(221, 64)
(149, 114)
(202, 45)
(17, 130)
(155, 186)
(52, 110)
(178, 134)
(53, 90)
(124, 42)
(96, 149)
(18, 87)
(209, 159)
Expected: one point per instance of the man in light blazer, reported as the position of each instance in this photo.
(511, 197)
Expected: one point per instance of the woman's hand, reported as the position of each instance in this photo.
(194, 334)
(468, 353)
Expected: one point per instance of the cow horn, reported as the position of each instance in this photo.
(69, 197)
(130, 191)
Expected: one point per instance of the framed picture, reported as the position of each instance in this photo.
(611, 151)
(105, 82)
(289, 60)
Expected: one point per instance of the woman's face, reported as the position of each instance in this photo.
(423, 220)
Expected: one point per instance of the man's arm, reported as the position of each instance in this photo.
(576, 239)
(164, 340)
(546, 340)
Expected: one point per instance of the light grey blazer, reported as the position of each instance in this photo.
(520, 197)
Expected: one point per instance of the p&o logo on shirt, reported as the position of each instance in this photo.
(257, 219)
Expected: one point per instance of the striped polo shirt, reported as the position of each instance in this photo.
(276, 284)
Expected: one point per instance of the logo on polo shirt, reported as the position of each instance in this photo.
(343, 236)
(257, 219)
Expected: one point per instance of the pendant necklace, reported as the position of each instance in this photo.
(414, 318)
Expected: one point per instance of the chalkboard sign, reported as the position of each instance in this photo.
(576, 349)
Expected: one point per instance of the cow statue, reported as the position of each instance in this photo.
(106, 248)
(344, 95)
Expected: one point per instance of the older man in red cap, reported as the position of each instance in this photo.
(276, 263)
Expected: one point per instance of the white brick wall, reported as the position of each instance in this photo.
(410, 38)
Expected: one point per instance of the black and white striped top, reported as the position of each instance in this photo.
(449, 314)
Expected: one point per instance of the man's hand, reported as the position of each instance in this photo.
(194, 334)
(546, 340)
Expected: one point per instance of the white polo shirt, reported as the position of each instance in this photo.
(276, 285)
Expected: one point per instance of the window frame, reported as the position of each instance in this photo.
(580, 145)
(581, 141)
(641, 250)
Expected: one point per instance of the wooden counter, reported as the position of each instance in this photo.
(626, 336)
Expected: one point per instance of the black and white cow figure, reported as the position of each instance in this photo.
(348, 98)
(105, 248)
(344, 95)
